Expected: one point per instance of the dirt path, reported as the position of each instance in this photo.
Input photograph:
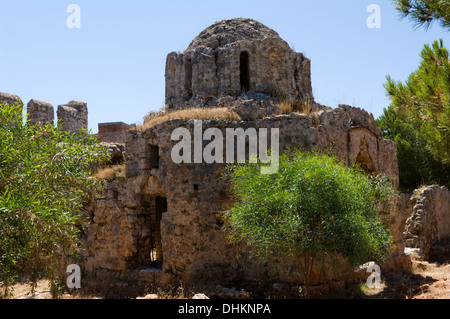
(426, 281)
(439, 286)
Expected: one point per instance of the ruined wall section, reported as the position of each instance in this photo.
(10, 98)
(430, 219)
(73, 116)
(40, 112)
(352, 134)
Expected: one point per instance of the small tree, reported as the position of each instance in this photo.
(45, 178)
(313, 208)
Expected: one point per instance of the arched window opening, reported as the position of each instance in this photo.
(245, 71)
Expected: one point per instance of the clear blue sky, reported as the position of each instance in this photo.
(116, 61)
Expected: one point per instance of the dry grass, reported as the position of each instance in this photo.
(223, 113)
(220, 113)
(111, 173)
(288, 107)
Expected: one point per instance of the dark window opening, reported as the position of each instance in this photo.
(188, 79)
(220, 223)
(154, 157)
(196, 187)
(245, 71)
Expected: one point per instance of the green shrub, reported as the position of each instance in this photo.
(312, 208)
(45, 179)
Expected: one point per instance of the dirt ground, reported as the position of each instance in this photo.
(426, 280)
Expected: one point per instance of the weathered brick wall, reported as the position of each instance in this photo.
(112, 132)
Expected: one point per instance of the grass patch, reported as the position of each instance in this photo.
(156, 118)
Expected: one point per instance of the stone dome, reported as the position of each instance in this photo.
(238, 58)
(231, 31)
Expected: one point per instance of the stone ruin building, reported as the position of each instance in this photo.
(160, 224)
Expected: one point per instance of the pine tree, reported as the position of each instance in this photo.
(425, 12)
(418, 119)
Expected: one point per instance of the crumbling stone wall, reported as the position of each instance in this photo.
(236, 58)
(10, 98)
(40, 112)
(430, 219)
(353, 135)
(73, 116)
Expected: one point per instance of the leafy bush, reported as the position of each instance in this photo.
(45, 178)
(314, 207)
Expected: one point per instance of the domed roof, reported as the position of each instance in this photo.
(230, 31)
